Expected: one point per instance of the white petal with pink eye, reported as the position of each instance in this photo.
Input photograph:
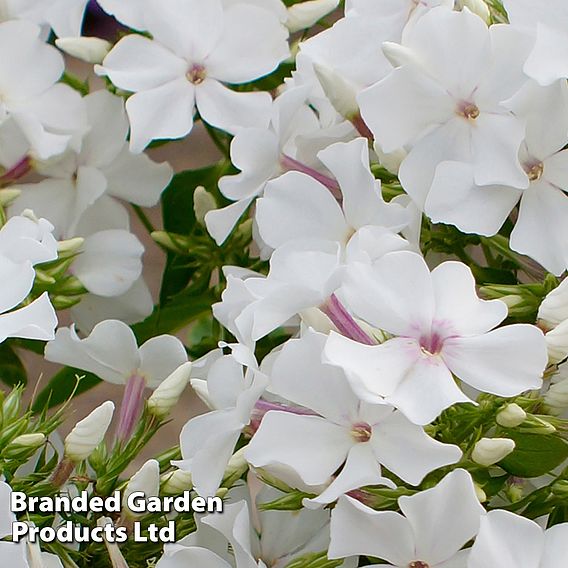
(454, 198)
(110, 351)
(415, 394)
(374, 372)
(507, 539)
(137, 63)
(358, 529)
(541, 231)
(422, 455)
(361, 469)
(293, 440)
(237, 57)
(231, 110)
(147, 119)
(443, 518)
(34, 321)
(295, 206)
(160, 356)
(505, 361)
(458, 308)
(385, 295)
(109, 263)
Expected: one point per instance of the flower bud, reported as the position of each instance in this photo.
(89, 433)
(89, 49)
(70, 246)
(305, 14)
(166, 396)
(554, 307)
(203, 202)
(489, 451)
(236, 467)
(29, 440)
(146, 480)
(7, 196)
(341, 94)
(478, 7)
(536, 425)
(557, 343)
(176, 482)
(512, 300)
(511, 416)
(480, 494)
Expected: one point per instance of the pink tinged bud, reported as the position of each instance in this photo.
(344, 322)
(131, 407)
(290, 164)
(17, 171)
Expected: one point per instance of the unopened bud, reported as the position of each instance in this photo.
(29, 440)
(536, 425)
(511, 416)
(166, 396)
(171, 241)
(514, 492)
(478, 7)
(512, 300)
(489, 451)
(398, 55)
(203, 202)
(305, 14)
(176, 482)
(236, 467)
(560, 488)
(554, 308)
(70, 246)
(341, 94)
(89, 433)
(7, 196)
(89, 49)
(145, 480)
(480, 494)
(557, 343)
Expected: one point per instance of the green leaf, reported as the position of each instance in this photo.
(12, 371)
(534, 454)
(180, 311)
(61, 386)
(178, 217)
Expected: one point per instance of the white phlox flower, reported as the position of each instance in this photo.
(197, 48)
(341, 430)
(442, 329)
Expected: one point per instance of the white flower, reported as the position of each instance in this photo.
(128, 12)
(444, 101)
(146, 480)
(80, 193)
(435, 525)
(305, 14)
(442, 329)
(207, 441)
(290, 142)
(554, 308)
(548, 24)
(508, 539)
(111, 353)
(48, 113)
(197, 47)
(340, 429)
(88, 433)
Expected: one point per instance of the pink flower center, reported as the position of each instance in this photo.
(361, 432)
(196, 74)
(431, 344)
(418, 564)
(534, 170)
(468, 110)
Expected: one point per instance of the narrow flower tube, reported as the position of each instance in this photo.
(291, 164)
(130, 407)
(344, 322)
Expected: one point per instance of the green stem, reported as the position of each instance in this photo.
(143, 218)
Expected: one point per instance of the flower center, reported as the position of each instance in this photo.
(361, 432)
(535, 171)
(418, 564)
(196, 74)
(431, 344)
(470, 111)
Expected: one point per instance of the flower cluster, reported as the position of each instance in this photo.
(365, 289)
